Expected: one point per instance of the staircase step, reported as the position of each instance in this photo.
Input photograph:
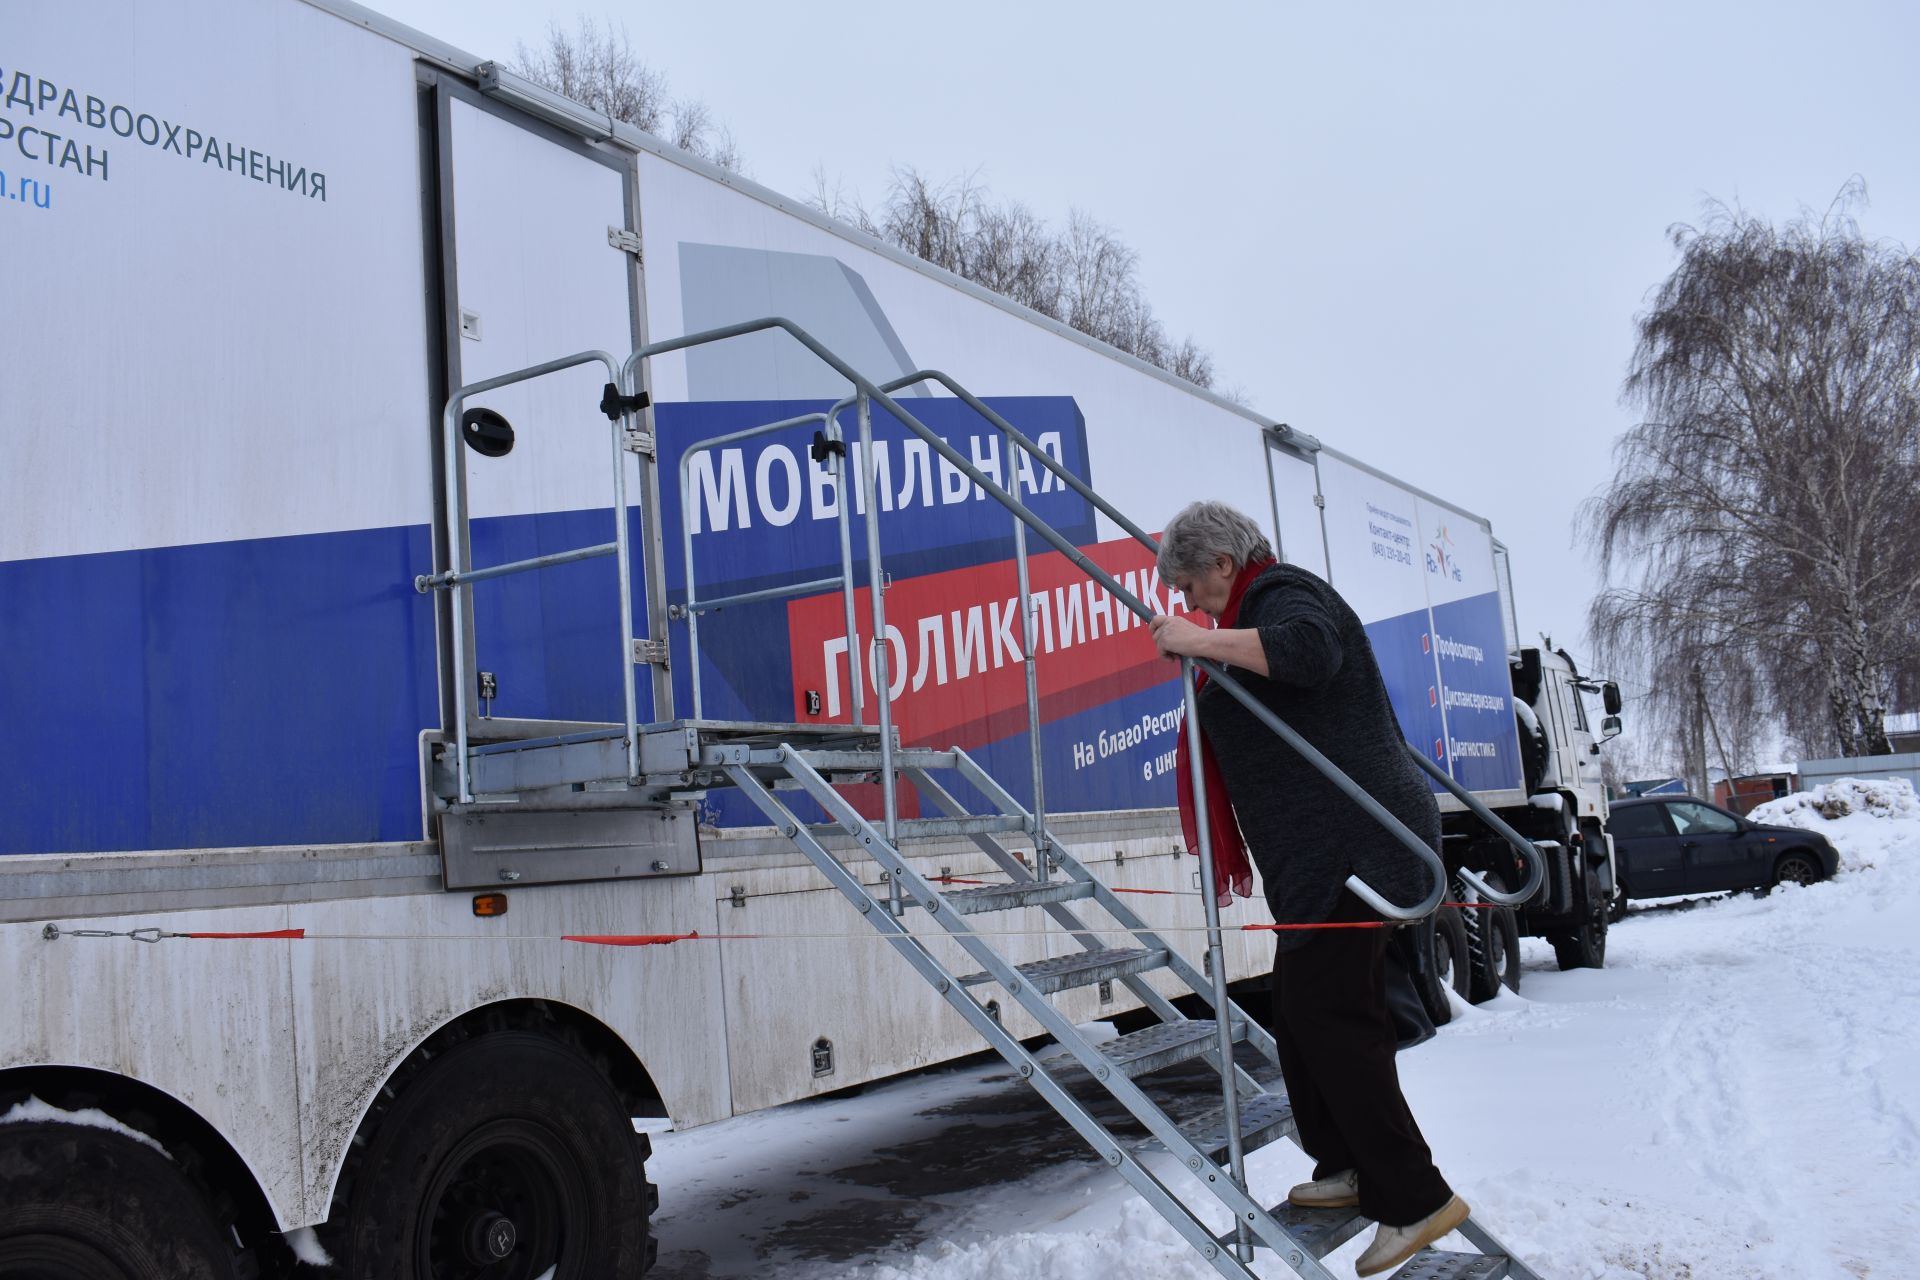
(932, 828)
(1264, 1118)
(864, 761)
(1318, 1231)
(1432, 1264)
(1081, 969)
(982, 825)
(1009, 897)
(1160, 1046)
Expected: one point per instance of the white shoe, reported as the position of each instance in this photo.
(1341, 1191)
(1394, 1245)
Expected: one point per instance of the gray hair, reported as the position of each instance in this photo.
(1202, 530)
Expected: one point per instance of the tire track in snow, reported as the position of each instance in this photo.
(1775, 1085)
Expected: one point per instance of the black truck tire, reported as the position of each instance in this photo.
(1584, 946)
(1493, 946)
(501, 1157)
(84, 1203)
(1445, 940)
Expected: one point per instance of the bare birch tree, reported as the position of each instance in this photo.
(597, 67)
(1759, 534)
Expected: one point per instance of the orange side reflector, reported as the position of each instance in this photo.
(489, 904)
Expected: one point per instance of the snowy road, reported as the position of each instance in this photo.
(1736, 1095)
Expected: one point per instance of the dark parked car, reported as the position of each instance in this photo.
(1668, 845)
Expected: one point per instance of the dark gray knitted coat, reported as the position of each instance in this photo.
(1304, 835)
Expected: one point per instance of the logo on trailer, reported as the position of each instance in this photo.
(1440, 557)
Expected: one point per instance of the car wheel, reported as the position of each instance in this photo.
(1585, 947)
(1795, 868)
(85, 1203)
(506, 1157)
(1617, 909)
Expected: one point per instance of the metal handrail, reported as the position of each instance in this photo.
(425, 582)
(1530, 854)
(694, 607)
(873, 394)
(458, 577)
(1372, 807)
(1043, 866)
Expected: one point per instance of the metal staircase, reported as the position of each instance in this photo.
(652, 768)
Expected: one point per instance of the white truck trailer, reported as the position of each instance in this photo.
(441, 715)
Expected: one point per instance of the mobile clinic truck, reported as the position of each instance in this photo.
(350, 881)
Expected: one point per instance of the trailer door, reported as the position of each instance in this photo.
(533, 269)
(1299, 523)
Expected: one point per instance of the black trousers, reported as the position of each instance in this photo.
(1336, 1043)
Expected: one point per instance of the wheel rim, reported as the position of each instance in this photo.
(1796, 870)
(43, 1256)
(507, 1203)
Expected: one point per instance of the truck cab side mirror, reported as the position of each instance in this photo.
(1610, 727)
(1610, 695)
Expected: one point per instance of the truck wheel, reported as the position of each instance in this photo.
(90, 1204)
(1428, 979)
(1493, 943)
(1450, 935)
(1446, 940)
(1586, 946)
(504, 1157)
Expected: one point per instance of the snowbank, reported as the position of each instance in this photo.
(1865, 818)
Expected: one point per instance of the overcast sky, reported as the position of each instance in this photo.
(1418, 231)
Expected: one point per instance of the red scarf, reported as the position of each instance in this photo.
(1232, 874)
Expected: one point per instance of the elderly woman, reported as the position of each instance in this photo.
(1297, 646)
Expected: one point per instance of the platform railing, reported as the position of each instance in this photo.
(458, 578)
(693, 606)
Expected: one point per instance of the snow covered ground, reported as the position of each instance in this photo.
(1736, 1095)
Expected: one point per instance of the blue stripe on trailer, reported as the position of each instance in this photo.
(271, 691)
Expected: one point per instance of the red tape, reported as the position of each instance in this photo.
(628, 939)
(1330, 924)
(265, 933)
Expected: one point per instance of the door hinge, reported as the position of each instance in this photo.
(638, 440)
(626, 241)
(650, 653)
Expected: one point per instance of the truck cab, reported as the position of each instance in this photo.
(1564, 812)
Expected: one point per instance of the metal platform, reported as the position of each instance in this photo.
(673, 756)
